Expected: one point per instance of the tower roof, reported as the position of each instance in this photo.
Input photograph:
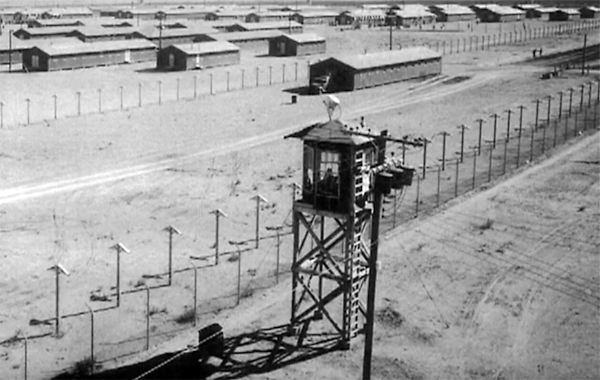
(333, 131)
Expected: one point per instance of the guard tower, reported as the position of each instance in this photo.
(344, 171)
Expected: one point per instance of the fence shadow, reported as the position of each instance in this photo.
(186, 366)
(256, 352)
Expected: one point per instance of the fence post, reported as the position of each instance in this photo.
(121, 95)
(218, 213)
(283, 73)
(211, 83)
(239, 277)
(99, 100)
(270, 75)
(171, 230)
(195, 86)
(521, 107)
(296, 72)
(495, 116)
(505, 156)
(177, 94)
(544, 139)
(555, 132)
(537, 113)
(439, 178)
(228, 81)
(159, 92)
(590, 94)
(462, 128)
(243, 72)
(259, 198)
(25, 354)
(548, 114)
(278, 258)
(509, 112)
(571, 90)
(581, 100)
(119, 248)
(395, 208)
(425, 142)
(92, 360)
(560, 103)
(78, 103)
(147, 316)
(456, 179)
(575, 125)
(491, 149)
(475, 151)
(55, 111)
(140, 94)
(58, 270)
(195, 292)
(28, 101)
(418, 191)
(444, 135)
(566, 136)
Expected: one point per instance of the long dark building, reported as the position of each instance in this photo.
(297, 44)
(81, 55)
(200, 55)
(354, 72)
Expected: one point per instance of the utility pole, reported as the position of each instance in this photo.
(372, 281)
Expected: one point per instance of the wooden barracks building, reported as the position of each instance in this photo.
(297, 44)
(349, 73)
(81, 55)
(198, 56)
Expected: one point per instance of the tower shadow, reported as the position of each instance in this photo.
(236, 357)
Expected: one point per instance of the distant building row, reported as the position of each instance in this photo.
(69, 53)
(315, 15)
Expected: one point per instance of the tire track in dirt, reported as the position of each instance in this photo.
(549, 279)
(21, 193)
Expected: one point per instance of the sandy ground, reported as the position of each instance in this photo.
(501, 284)
(74, 187)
